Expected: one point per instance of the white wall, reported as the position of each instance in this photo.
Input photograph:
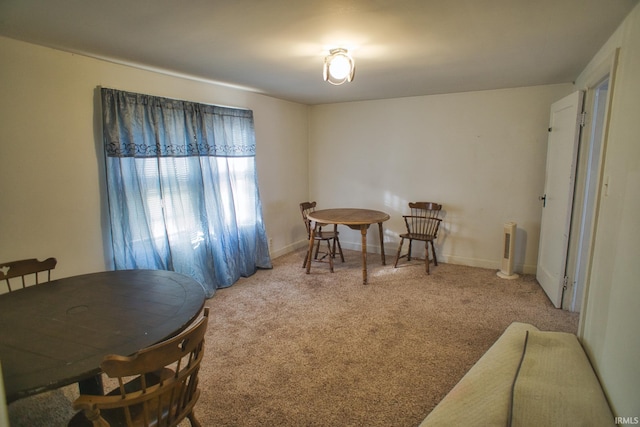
(480, 154)
(51, 166)
(610, 316)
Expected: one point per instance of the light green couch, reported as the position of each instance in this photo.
(527, 378)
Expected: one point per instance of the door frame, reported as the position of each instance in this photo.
(581, 252)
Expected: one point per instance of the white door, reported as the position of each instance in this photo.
(557, 200)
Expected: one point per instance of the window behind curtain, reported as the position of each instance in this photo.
(182, 187)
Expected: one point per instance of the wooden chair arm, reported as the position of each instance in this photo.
(87, 402)
(88, 407)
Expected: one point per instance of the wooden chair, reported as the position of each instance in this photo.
(331, 237)
(422, 225)
(27, 270)
(158, 386)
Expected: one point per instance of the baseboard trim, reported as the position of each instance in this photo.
(391, 252)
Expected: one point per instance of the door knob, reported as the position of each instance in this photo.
(544, 200)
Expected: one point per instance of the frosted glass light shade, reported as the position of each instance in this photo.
(339, 67)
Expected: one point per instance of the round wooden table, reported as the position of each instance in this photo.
(354, 218)
(56, 333)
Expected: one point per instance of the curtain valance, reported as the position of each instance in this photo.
(138, 125)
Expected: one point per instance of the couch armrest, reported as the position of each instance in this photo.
(482, 396)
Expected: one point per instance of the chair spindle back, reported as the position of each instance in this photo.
(306, 208)
(157, 386)
(424, 219)
(27, 270)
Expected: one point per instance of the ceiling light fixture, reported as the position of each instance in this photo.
(339, 67)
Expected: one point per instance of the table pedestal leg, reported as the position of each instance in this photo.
(363, 231)
(384, 260)
(92, 386)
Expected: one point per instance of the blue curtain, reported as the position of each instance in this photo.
(182, 188)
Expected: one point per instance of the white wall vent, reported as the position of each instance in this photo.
(509, 248)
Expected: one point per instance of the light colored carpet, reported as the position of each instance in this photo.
(289, 349)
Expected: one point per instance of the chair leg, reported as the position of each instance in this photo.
(426, 256)
(192, 419)
(433, 251)
(395, 265)
(337, 241)
(306, 257)
(409, 253)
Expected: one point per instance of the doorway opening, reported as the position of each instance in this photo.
(588, 180)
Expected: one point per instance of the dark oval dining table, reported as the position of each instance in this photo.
(57, 333)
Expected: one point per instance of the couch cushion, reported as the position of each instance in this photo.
(556, 385)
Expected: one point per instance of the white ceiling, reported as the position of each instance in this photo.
(276, 47)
